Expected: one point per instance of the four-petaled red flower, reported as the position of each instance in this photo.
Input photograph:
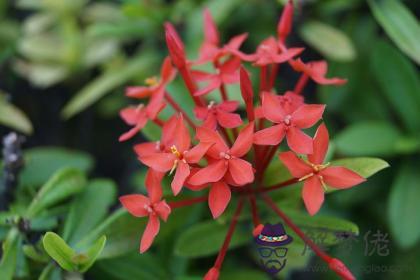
(178, 157)
(288, 124)
(226, 73)
(139, 116)
(153, 206)
(317, 175)
(210, 50)
(269, 52)
(219, 114)
(316, 70)
(225, 166)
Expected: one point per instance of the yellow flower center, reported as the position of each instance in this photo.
(151, 81)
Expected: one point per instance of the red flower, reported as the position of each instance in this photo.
(179, 156)
(219, 114)
(316, 70)
(210, 49)
(317, 175)
(227, 73)
(288, 124)
(153, 206)
(139, 116)
(175, 46)
(269, 52)
(225, 160)
(155, 87)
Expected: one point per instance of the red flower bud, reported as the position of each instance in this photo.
(257, 230)
(285, 23)
(212, 274)
(338, 267)
(247, 93)
(175, 46)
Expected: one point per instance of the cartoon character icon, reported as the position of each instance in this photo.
(271, 246)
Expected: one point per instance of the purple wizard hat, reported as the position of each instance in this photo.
(273, 235)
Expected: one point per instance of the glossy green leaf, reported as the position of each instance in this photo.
(400, 24)
(107, 82)
(364, 166)
(368, 138)
(329, 41)
(10, 248)
(123, 233)
(13, 117)
(42, 162)
(87, 211)
(63, 184)
(399, 82)
(92, 254)
(206, 238)
(57, 248)
(403, 207)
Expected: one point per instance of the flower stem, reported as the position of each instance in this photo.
(273, 75)
(159, 122)
(225, 246)
(300, 85)
(263, 78)
(254, 210)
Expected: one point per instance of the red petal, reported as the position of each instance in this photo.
(270, 136)
(228, 120)
(288, 55)
(161, 162)
(313, 194)
(130, 134)
(230, 66)
(241, 171)
(211, 34)
(219, 197)
(182, 136)
(138, 92)
(211, 173)
(147, 148)
(167, 72)
(307, 115)
(130, 115)
(341, 177)
(236, 41)
(205, 134)
(244, 141)
(201, 113)
(168, 132)
(320, 145)
(214, 83)
(228, 106)
(271, 108)
(150, 233)
(298, 141)
(319, 70)
(182, 172)
(134, 203)
(163, 210)
(297, 167)
(153, 185)
(246, 86)
(197, 152)
(210, 122)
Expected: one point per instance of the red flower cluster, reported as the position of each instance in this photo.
(230, 153)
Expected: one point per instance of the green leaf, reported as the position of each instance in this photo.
(41, 163)
(400, 25)
(244, 274)
(13, 117)
(107, 82)
(368, 138)
(364, 166)
(57, 248)
(206, 239)
(87, 211)
(403, 205)
(63, 184)
(399, 82)
(8, 261)
(329, 41)
(92, 254)
(122, 231)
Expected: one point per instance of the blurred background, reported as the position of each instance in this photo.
(64, 65)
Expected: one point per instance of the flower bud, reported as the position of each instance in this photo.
(175, 46)
(212, 274)
(285, 23)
